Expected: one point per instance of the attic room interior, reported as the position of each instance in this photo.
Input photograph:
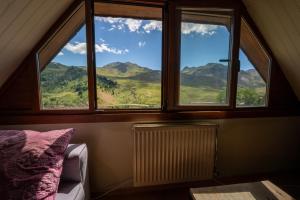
(149, 99)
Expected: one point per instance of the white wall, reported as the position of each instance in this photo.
(245, 146)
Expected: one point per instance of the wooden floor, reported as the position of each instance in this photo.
(290, 183)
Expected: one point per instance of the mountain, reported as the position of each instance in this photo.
(121, 85)
(119, 69)
(215, 75)
(57, 75)
(250, 78)
(150, 76)
(212, 75)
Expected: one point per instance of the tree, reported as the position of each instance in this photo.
(245, 97)
(249, 97)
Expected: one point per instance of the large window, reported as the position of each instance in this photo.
(204, 58)
(254, 70)
(130, 57)
(128, 47)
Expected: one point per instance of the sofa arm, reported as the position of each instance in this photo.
(75, 163)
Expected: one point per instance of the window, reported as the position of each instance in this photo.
(126, 68)
(128, 47)
(63, 68)
(254, 70)
(204, 58)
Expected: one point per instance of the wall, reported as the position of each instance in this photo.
(246, 146)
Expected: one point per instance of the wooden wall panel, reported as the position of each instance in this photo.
(245, 146)
(18, 93)
(281, 93)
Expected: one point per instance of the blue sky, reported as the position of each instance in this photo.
(140, 42)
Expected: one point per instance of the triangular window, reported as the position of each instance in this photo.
(254, 70)
(63, 66)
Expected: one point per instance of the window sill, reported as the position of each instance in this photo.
(94, 117)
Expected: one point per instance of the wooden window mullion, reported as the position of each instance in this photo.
(173, 46)
(235, 64)
(90, 36)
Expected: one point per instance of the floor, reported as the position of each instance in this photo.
(290, 183)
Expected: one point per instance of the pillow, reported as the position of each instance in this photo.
(31, 163)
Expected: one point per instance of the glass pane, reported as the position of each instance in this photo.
(254, 71)
(128, 59)
(204, 59)
(251, 90)
(63, 82)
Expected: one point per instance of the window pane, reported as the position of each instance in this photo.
(128, 57)
(254, 72)
(63, 82)
(204, 59)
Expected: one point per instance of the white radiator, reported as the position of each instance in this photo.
(173, 153)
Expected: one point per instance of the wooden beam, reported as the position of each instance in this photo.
(125, 10)
(254, 51)
(91, 55)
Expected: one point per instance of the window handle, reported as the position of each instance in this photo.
(238, 64)
(224, 60)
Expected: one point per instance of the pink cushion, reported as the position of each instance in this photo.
(31, 163)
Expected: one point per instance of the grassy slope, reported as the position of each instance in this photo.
(58, 89)
(129, 93)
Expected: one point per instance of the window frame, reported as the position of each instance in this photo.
(169, 52)
(268, 79)
(82, 4)
(177, 106)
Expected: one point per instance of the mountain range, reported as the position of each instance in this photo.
(212, 75)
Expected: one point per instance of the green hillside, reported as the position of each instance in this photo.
(118, 69)
(128, 85)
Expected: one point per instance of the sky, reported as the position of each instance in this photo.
(140, 42)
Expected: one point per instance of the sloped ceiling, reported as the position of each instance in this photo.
(22, 24)
(279, 23)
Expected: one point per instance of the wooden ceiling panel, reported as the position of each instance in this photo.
(278, 21)
(23, 23)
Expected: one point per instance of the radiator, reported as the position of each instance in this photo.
(173, 153)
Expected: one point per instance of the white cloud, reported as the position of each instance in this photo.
(60, 53)
(116, 22)
(111, 20)
(77, 48)
(203, 29)
(80, 48)
(119, 23)
(102, 47)
(118, 26)
(133, 24)
(142, 44)
(153, 25)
